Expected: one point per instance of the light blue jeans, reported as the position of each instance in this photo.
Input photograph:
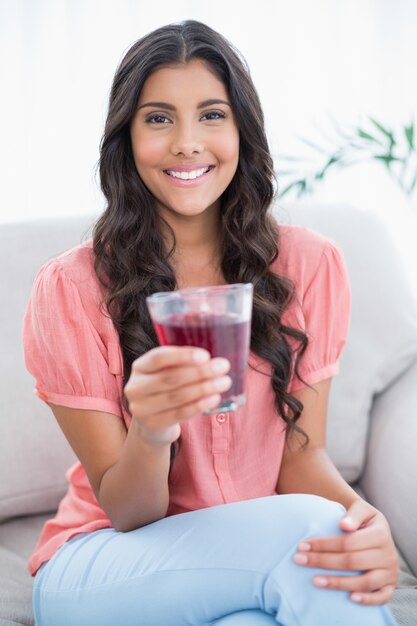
(228, 565)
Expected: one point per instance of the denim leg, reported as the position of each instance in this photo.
(207, 567)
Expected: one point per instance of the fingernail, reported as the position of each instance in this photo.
(320, 581)
(304, 547)
(301, 559)
(210, 402)
(200, 355)
(220, 366)
(223, 383)
(356, 597)
(348, 521)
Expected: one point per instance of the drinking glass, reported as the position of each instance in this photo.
(217, 319)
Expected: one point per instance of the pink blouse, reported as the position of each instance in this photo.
(72, 350)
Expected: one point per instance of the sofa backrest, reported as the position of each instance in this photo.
(33, 452)
(382, 340)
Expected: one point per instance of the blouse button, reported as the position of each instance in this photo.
(221, 418)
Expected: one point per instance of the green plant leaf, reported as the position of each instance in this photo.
(314, 146)
(295, 183)
(409, 134)
(364, 135)
(387, 159)
(383, 130)
(357, 144)
(335, 158)
(302, 188)
(343, 134)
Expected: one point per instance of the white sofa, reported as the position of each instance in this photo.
(372, 425)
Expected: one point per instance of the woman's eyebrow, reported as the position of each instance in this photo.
(211, 101)
(171, 107)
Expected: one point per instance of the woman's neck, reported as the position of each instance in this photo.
(196, 259)
(198, 271)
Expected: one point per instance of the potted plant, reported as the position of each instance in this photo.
(396, 151)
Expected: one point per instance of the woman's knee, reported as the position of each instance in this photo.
(314, 514)
(276, 517)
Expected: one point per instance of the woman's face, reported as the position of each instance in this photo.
(185, 139)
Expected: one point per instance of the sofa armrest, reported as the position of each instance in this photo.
(389, 478)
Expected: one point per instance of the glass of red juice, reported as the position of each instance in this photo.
(217, 319)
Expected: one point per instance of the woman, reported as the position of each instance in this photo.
(172, 516)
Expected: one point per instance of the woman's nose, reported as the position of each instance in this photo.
(187, 141)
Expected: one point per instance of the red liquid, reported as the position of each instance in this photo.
(221, 335)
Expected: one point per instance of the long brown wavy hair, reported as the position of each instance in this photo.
(131, 259)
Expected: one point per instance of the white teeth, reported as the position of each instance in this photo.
(188, 175)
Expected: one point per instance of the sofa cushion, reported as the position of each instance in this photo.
(15, 590)
(391, 469)
(382, 341)
(33, 452)
(404, 603)
(17, 538)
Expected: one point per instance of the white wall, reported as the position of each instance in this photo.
(311, 61)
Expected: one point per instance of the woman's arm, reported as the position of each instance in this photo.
(367, 544)
(128, 469)
(129, 477)
(309, 469)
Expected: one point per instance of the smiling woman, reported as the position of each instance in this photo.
(174, 516)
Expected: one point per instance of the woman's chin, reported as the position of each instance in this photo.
(191, 211)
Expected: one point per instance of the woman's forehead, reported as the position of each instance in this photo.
(194, 80)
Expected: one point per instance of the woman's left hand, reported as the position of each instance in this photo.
(366, 545)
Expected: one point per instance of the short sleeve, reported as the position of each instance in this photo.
(326, 313)
(66, 344)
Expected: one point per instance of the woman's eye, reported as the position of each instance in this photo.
(213, 115)
(157, 118)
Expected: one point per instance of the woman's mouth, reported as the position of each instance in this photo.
(189, 178)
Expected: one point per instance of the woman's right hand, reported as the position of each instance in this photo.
(171, 384)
